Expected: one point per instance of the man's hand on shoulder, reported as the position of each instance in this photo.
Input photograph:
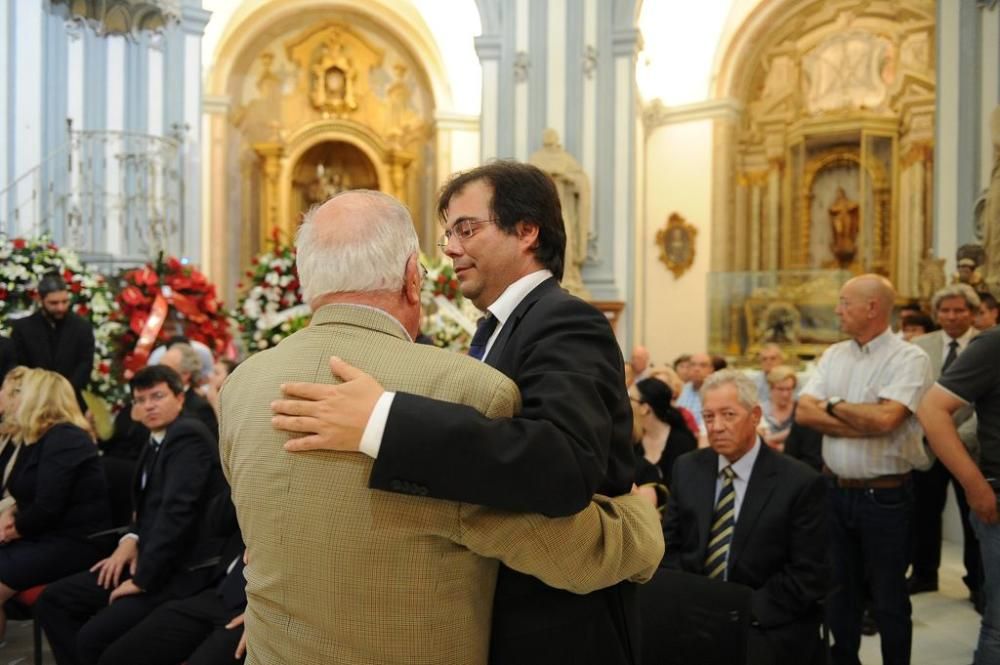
(332, 417)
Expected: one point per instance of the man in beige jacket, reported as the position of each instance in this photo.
(343, 574)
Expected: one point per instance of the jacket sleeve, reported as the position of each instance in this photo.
(609, 541)
(804, 579)
(187, 471)
(553, 457)
(22, 354)
(84, 364)
(672, 523)
(64, 449)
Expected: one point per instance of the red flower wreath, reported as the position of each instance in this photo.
(189, 295)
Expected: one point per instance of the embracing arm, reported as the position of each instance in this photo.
(555, 453)
(609, 541)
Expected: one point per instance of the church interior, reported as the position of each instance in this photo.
(723, 166)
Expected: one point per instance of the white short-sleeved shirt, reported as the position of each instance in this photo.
(885, 368)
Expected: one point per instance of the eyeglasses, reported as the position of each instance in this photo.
(461, 230)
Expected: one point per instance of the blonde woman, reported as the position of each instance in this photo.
(10, 441)
(59, 488)
(779, 410)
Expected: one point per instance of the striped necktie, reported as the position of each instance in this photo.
(721, 534)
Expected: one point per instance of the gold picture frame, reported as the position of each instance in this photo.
(676, 244)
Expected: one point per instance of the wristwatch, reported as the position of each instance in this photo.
(832, 402)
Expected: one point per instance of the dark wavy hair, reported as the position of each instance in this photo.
(658, 396)
(521, 193)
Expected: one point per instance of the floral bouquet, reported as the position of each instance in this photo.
(23, 262)
(185, 296)
(448, 317)
(272, 307)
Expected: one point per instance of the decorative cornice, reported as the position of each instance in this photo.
(128, 18)
(194, 20)
(625, 42)
(656, 114)
(457, 121)
(488, 47)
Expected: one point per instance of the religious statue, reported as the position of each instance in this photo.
(327, 183)
(991, 214)
(844, 223)
(931, 277)
(969, 259)
(333, 76)
(574, 195)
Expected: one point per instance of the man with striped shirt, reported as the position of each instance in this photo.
(862, 398)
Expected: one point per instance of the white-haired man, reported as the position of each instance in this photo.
(341, 573)
(954, 308)
(740, 512)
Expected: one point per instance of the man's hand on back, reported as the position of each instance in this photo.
(332, 417)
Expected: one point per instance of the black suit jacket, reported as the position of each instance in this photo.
(571, 439)
(66, 348)
(171, 507)
(59, 486)
(778, 548)
(8, 359)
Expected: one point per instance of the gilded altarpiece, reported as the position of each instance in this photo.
(828, 167)
(331, 106)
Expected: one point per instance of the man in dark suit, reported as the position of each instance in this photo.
(203, 629)
(7, 357)
(504, 232)
(156, 560)
(54, 338)
(954, 308)
(744, 513)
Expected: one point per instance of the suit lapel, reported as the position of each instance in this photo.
(493, 358)
(708, 471)
(759, 489)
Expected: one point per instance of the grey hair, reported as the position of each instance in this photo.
(369, 256)
(745, 386)
(190, 360)
(963, 291)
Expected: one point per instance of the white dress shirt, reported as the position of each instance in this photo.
(885, 368)
(742, 469)
(502, 308)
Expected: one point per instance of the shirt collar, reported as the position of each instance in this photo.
(962, 339)
(512, 296)
(880, 341)
(744, 465)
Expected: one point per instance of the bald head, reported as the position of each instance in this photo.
(358, 241)
(640, 359)
(865, 306)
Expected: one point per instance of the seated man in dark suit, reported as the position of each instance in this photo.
(203, 629)
(156, 561)
(744, 513)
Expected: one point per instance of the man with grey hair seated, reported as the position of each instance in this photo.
(183, 359)
(743, 513)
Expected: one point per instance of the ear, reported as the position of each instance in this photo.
(412, 280)
(527, 234)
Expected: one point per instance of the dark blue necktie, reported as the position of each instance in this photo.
(484, 330)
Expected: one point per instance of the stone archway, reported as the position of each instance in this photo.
(291, 75)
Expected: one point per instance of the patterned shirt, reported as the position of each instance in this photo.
(885, 368)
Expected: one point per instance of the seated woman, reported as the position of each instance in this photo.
(669, 376)
(665, 434)
(779, 410)
(59, 488)
(10, 441)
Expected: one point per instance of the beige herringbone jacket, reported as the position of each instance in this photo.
(342, 574)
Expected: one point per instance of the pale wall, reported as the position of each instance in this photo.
(671, 315)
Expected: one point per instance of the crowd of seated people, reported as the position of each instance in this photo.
(165, 587)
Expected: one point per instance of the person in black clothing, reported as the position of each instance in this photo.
(203, 629)
(59, 487)
(665, 434)
(159, 558)
(8, 359)
(55, 338)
